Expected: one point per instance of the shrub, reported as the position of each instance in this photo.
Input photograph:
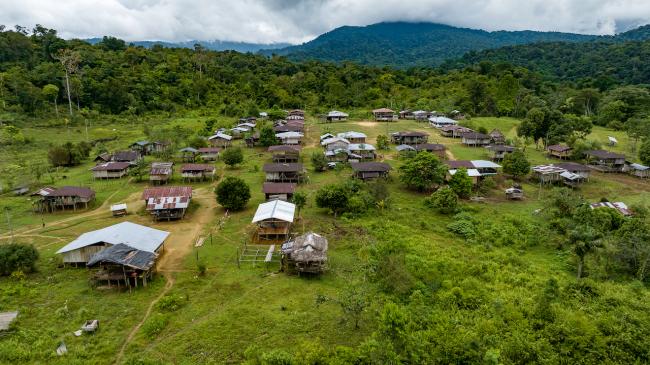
(233, 156)
(299, 198)
(516, 164)
(171, 303)
(334, 197)
(461, 183)
(319, 161)
(444, 201)
(382, 142)
(17, 256)
(267, 136)
(233, 193)
(154, 325)
(644, 152)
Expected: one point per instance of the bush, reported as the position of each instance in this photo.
(334, 197)
(644, 152)
(17, 256)
(154, 325)
(461, 183)
(319, 161)
(233, 193)
(382, 142)
(171, 303)
(444, 201)
(232, 156)
(267, 136)
(516, 164)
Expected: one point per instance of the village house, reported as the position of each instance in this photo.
(499, 151)
(421, 115)
(284, 128)
(209, 153)
(290, 138)
(456, 115)
(339, 155)
(221, 140)
(247, 125)
(370, 170)
(619, 206)
(454, 131)
(273, 220)
(497, 137)
(476, 169)
(549, 174)
(637, 170)
(605, 161)
(161, 172)
(252, 140)
(167, 202)
(66, 197)
(326, 136)
(475, 139)
(122, 263)
(435, 148)
(336, 116)
(384, 115)
(296, 118)
(439, 122)
(406, 114)
(364, 151)
(285, 153)
(142, 147)
(409, 138)
(197, 171)
(110, 170)
(142, 238)
(281, 191)
(575, 168)
(103, 157)
(559, 151)
(132, 157)
(188, 154)
(306, 253)
(238, 132)
(296, 113)
(353, 137)
(473, 174)
(284, 172)
(335, 143)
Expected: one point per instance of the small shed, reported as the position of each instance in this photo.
(197, 171)
(406, 114)
(306, 253)
(285, 153)
(499, 151)
(475, 139)
(118, 210)
(167, 202)
(384, 115)
(283, 172)
(110, 170)
(497, 137)
(370, 170)
(274, 220)
(559, 151)
(161, 172)
(278, 191)
(123, 263)
(547, 174)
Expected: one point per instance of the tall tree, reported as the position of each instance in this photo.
(70, 61)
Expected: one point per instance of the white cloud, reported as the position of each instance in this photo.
(295, 21)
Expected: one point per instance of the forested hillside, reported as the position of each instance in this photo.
(406, 45)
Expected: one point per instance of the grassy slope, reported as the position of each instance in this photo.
(232, 308)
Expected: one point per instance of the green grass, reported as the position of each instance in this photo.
(231, 308)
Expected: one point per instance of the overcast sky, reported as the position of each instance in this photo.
(296, 21)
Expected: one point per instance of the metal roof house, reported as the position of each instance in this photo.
(335, 143)
(278, 191)
(167, 202)
(290, 138)
(559, 151)
(499, 151)
(605, 161)
(409, 137)
(197, 171)
(123, 263)
(161, 172)
(435, 148)
(497, 137)
(285, 153)
(209, 153)
(474, 139)
(370, 170)
(336, 116)
(134, 235)
(131, 157)
(439, 122)
(384, 115)
(110, 170)
(363, 150)
(220, 140)
(51, 199)
(188, 154)
(637, 170)
(274, 220)
(353, 137)
(284, 172)
(454, 131)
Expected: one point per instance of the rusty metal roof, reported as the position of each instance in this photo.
(197, 167)
(167, 191)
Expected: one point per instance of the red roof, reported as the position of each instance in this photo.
(167, 191)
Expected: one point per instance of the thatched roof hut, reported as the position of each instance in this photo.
(306, 253)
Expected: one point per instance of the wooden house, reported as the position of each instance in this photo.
(335, 143)
(336, 116)
(221, 140)
(290, 138)
(499, 151)
(421, 115)
(338, 155)
(637, 170)
(559, 151)
(439, 122)
(454, 131)
(575, 168)
(66, 197)
(281, 191)
(103, 157)
(435, 148)
(362, 151)
(123, 264)
(284, 172)
(252, 140)
(238, 132)
(132, 157)
(475, 139)
(161, 172)
(197, 171)
(406, 114)
(370, 170)
(550, 174)
(285, 153)
(409, 138)
(384, 115)
(139, 237)
(167, 202)
(306, 253)
(273, 220)
(456, 115)
(209, 153)
(353, 137)
(110, 170)
(605, 161)
(296, 113)
(497, 137)
(188, 154)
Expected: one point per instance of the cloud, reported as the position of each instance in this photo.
(296, 21)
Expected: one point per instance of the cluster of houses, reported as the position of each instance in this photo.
(347, 147)
(602, 160)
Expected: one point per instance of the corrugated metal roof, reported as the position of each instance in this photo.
(276, 209)
(620, 206)
(484, 164)
(189, 149)
(361, 147)
(166, 191)
(197, 167)
(209, 150)
(442, 121)
(370, 166)
(282, 167)
(284, 135)
(125, 255)
(278, 188)
(470, 172)
(404, 147)
(351, 134)
(73, 191)
(336, 113)
(328, 141)
(639, 167)
(558, 148)
(116, 207)
(137, 236)
(383, 110)
(169, 202)
(221, 136)
(284, 148)
(111, 166)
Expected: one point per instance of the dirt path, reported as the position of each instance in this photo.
(183, 235)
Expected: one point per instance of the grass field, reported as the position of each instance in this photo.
(231, 308)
